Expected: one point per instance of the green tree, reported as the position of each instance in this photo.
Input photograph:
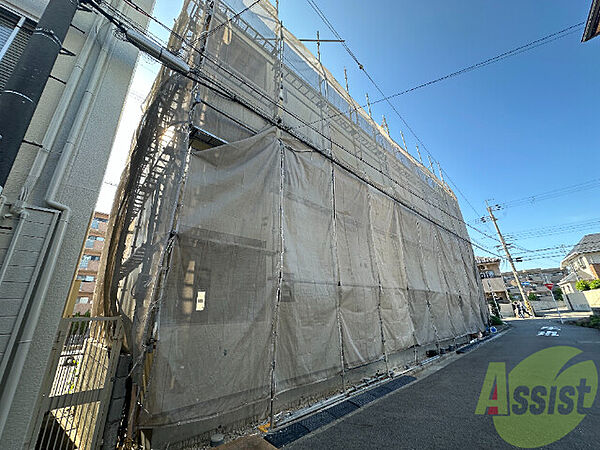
(582, 285)
(595, 284)
(531, 297)
(558, 294)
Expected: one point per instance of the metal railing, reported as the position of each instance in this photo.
(78, 386)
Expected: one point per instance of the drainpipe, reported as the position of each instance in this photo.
(27, 332)
(23, 90)
(19, 207)
(59, 114)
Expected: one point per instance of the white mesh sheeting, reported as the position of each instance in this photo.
(214, 347)
(292, 258)
(345, 272)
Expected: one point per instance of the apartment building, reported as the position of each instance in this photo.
(493, 283)
(87, 273)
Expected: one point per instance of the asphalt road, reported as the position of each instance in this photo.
(438, 411)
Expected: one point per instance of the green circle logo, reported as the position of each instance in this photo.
(541, 400)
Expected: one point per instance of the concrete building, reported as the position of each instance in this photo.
(90, 263)
(491, 277)
(50, 194)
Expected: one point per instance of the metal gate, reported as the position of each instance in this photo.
(78, 384)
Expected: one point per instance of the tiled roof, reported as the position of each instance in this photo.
(485, 259)
(588, 244)
(569, 278)
(573, 277)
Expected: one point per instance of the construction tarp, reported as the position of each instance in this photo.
(270, 243)
(283, 259)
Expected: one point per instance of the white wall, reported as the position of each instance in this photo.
(77, 189)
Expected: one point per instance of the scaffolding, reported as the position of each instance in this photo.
(270, 243)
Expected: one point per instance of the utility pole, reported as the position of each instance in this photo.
(24, 88)
(510, 260)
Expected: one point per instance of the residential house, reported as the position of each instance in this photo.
(582, 263)
(533, 281)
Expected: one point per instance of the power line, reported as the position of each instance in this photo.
(513, 52)
(194, 77)
(324, 18)
(564, 247)
(556, 229)
(457, 189)
(328, 23)
(205, 35)
(520, 49)
(572, 189)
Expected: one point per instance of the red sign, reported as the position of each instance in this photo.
(549, 285)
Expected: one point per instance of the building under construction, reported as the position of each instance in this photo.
(270, 243)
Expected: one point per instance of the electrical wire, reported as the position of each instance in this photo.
(205, 35)
(195, 77)
(517, 50)
(555, 229)
(513, 52)
(329, 25)
(548, 195)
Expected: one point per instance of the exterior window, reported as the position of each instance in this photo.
(86, 278)
(96, 221)
(86, 260)
(89, 242)
(83, 300)
(582, 262)
(200, 300)
(15, 31)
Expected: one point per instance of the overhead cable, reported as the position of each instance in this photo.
(554, 193)
(198, 77)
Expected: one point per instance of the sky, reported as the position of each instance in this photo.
(520, 127)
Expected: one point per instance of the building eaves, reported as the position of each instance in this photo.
(572, 277)
(590, 243)
(592, 25)
(568, 279)
(485, 260)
